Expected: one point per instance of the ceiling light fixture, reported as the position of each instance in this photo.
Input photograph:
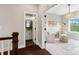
(69, 14)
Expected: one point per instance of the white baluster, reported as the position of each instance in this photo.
(2, 47)
(8, 47)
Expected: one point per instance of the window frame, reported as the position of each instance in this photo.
(69, 28)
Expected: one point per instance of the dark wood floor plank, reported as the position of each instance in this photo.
(33, 50)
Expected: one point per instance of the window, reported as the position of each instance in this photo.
(74, 25)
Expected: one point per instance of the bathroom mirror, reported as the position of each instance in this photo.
(28, 24)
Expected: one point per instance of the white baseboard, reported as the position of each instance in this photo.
(21, 46)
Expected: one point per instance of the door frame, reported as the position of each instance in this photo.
(32, 29)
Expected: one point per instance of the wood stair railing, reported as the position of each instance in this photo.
(14, 42)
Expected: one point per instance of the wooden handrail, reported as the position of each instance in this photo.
(14, 42)
(5, 38)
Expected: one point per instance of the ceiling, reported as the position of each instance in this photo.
(62, 9)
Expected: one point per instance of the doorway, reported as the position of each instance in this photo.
(30, 29)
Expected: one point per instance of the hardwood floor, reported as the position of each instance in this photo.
(31, 50)
(29, 43)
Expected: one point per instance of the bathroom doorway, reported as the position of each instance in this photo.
(30, 29)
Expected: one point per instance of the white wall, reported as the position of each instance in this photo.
(51, 17)
(41, 10)
(54, 17)
(12, 20)
(28, 34)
